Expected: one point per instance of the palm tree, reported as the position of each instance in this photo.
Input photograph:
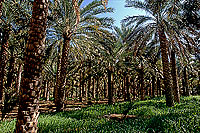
(28, 111)
(155, 22)
(73, 24)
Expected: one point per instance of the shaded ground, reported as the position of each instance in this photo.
(152, 116)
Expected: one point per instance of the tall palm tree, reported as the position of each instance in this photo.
(73, 24)
(28, 111)
(155, 22)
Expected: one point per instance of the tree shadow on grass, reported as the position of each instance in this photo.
(176, 119)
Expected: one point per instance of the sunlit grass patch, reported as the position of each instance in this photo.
(152, 116)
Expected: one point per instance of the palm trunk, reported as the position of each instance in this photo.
(166, 68)
(18, 79)
(93, 88)
(89, 95)
(142, 82)
(72, 89)
(153, 86)
(127, 88)
(83, 84)
(3, 60)
(80, 84)
(133, 88)
(104, 88)
(186, 87)
(28, 111)
(56, 87)
(110, 95)
(198, 87)
(124, 87)
(10, 75)
(62, 77)
(158, 87)
(97, 88)
(174, 78)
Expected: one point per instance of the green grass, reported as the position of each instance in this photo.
(153, 116)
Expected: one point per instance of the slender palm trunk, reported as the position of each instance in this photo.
(18, 79)
(56, 87)
(104, 88)
(142, 82)
(80, 85)
(166, 68)
(97, 88)
(174, 78)
(93, 88)
(133, 88)
(83, 83)
(1, 62)
(62, 77)
(127, 88)
(158, 87)
(124, 86)
(28, 111)
(110, 94)
(198, 87)
(153, 86)
(186, 87)
(10, 75)
(89, 95)
(3, 59)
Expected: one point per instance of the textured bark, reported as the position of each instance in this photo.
(80, 84)
(93, 88)
(124, 87)
(28, 111)
(158, 87)
(110, 92)
(174, 78)
(185, 86)
(127, 88)
(97, 88)
(105, 89)
(10, 75)
(72, 88)
(3, 59)
(62, 76)
(3, 53)
(198, 87)
(133, 88)
(142, 82)
(153, 86)
(56, 87)
(18, 79)
(166, 68)
(83, 84)
(89, 93)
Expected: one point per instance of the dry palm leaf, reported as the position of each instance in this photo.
(104, 2)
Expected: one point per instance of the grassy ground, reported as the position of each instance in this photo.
(152, 116)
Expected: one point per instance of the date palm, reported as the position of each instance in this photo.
(73, 24)
(28, 111)
(155, 23)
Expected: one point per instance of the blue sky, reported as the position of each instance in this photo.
(120, 10)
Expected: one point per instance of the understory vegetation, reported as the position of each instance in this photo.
(151, 116)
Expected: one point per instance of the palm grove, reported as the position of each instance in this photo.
(61, 51)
